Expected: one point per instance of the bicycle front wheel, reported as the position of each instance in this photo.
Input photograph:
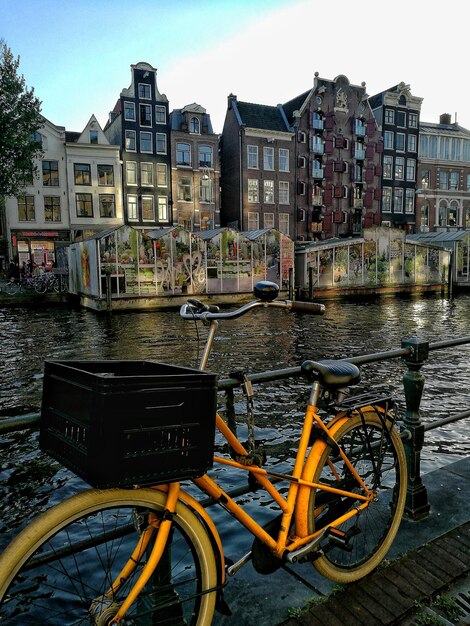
(377, 454)
(60, 568)
(40, 285)
(11, 288)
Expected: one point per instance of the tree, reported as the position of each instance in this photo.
(20, 118)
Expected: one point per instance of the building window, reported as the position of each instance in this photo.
(253, 191)
(26, 212)
(468, 182)
(194, 126)
(148, 210)
(84, 202)
(129, 111)
(50, 173)
(252, 157)
(453, 180)
(388, 140)
(268, 195)
(131, 172)
(399, 168)
(130, 140)
(409, 201)
(105, 175)
(284, 223)
(412, 120)
(94, 136)
(183, 154)
(162, 180)
(386, 199)
(412, 143)
(400, 142)
(146, 174)
(283, 192)
(268, 158)
(388, 166)
(160, 114)
(82, 173)
(398, 200)
(410, 169)
(132, 207)
(163, 215)
(253, 221)
(161, 143)
(185, 190)
(205, 156)
(146, 142)
(401, 119)
(268, 220)
(389, 116)
(52, 209)
(205, 189)
(145, 115)
(283, 160)
(144, 91)
(107, 205)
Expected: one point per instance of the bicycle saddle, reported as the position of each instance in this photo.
(331, 373)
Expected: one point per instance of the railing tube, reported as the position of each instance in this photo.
(417, 504)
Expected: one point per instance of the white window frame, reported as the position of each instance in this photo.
(131, 172)
(130, 105)
(283, 160)
(132, 200)
(389, 117)
(388, 140)
(283, 192)
(388, 166)
(399, 168)
(284, 223)
(163, 213)
(151, 199)
(268, 158)
(398, 200)
(253, 190)
(400, 142)
(159, 109)
(146, 174)
(253, 220)
(412, 143)
(252, 157)
(142, 133)
(411, 169)
(142, 90)
(386, 199)
(409, 201)
(162, 173)
(268, 220)
(268, 191)
(146, 107)
(161, 138)
(412, 120)
(130, 136)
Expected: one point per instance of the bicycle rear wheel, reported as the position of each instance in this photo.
(40, 285)
(11, 287)
(377, 454)
(60, 567)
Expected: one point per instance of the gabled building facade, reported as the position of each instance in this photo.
(94, 183)
(314, 161)
(39, 216)
(258, 174)
(443, 178)
(397, 113)
(195, 169)
(140, 125)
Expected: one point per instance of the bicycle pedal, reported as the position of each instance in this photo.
(339, 539)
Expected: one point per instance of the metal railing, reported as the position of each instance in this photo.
(413, 351)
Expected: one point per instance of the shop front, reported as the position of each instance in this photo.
(37, 246)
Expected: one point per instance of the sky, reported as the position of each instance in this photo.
(77, 53)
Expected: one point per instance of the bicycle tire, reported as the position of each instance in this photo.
(40, 285)
(378, 524)
(11, 288)
(103, 524)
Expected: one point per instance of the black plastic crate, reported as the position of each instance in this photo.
(125, 423)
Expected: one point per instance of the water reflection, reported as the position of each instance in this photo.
(265, 339)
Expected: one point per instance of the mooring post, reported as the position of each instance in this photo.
(417, 505)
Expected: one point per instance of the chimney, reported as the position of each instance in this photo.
(445, 118)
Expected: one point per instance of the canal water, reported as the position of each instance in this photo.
(262, 340)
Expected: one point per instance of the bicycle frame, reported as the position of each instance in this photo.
(294, 509)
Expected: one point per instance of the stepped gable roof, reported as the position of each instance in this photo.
(295, 104)
(261, 116)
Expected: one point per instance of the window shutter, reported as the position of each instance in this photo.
(338, 191)
(379, 147)
(370, 130)
(377, 219)
(368, 220)
(369, 174)
(338, 217)
(329, 169)
(329, 146)
(378, 170)
(330, 120)
(377, 193)
(328, 195)
(368, 198)
(370, 151)
(327, 221)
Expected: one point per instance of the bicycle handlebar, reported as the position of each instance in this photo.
(195, 309)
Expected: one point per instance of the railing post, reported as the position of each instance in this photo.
(417, 505)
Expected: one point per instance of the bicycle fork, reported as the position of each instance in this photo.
(163, 527)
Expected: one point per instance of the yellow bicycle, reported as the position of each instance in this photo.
(149, 552)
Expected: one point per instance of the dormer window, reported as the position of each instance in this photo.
(93, 136)
(195, 126)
